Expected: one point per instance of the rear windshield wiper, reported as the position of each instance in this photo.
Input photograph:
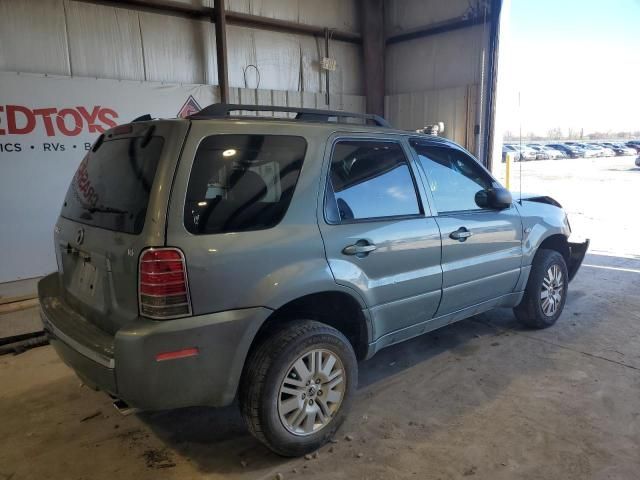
(106, 210)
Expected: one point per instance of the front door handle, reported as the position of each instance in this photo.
(359, 249)
(461, 234)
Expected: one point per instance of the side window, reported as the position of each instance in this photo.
(242, 182)
(369, 180)
(455, 178)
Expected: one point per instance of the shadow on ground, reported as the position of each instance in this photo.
(463, 399)
(216, 440)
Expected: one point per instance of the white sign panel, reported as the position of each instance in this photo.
(46, 126)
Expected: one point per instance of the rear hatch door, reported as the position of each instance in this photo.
(115, 207)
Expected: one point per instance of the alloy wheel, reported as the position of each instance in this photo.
(552, 291)
(311, 392)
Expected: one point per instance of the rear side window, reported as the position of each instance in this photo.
(111, 186)
(242, 182)
(369, 180)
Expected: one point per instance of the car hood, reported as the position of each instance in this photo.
(534, 197)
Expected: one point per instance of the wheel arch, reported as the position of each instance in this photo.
(559, 243)
(336, 308)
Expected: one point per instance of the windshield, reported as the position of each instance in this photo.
(111, 186)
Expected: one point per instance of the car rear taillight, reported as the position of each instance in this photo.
(163, 290)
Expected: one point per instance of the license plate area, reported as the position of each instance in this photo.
(81, 274)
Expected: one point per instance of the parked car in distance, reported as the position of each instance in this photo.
(635, 144)
(221, 256)
(571, 151)
(554, 153)
(525, 152)
(517, 156)
(619, 148)
(550, 153)
(540, 153)
(588, 151)
(603, 151)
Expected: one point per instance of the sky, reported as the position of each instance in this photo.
(576, 64)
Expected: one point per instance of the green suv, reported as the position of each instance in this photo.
(259, 258)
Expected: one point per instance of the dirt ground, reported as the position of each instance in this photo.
(482, 399)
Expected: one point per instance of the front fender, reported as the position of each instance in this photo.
(539, 222)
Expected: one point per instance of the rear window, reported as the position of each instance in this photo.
(111, 186)
(242, 182)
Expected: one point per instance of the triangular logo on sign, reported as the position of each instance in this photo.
(190, 107)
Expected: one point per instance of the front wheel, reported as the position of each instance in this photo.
(546, 290)
(297, 387)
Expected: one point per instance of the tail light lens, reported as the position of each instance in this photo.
(163, 290)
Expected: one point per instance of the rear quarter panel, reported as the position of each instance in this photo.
(264, 268)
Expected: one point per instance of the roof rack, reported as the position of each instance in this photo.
(218, 110)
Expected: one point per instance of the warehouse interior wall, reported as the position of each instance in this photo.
(437, 77)
(428, 79)
(422, 83)
(168, 57)
(65, 37)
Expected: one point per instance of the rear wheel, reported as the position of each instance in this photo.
(546, 291)
(297, 387)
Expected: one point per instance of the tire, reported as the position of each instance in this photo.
(533, 311)
(265, 401)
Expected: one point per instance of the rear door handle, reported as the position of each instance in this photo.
(359, 249)
(461, 234)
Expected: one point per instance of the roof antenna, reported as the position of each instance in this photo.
(520, 115)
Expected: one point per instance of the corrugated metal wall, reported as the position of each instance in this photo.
(250, 96)
(430, 79)
(435, 78)
(72, 38)
(456, 107)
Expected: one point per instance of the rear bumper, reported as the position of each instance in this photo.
(577, 252)
(125, 365)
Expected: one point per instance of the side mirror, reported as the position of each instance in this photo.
(495, 198)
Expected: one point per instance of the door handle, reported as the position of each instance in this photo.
(359, 249)
(461, 234)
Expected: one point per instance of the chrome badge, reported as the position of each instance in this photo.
(80, 236)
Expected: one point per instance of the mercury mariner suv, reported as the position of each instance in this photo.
(227, 256)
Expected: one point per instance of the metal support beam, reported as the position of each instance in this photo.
(373, 45)
(171, 7)
(265, 23)
(492, 81)
(326, 72)
(436, 28)
(221, 50)
(168, 7)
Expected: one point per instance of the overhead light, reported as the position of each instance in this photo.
(229, 153)
(202, 204)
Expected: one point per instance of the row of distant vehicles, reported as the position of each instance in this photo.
(558, 150)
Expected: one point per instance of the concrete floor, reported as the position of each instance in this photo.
(483, 398)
